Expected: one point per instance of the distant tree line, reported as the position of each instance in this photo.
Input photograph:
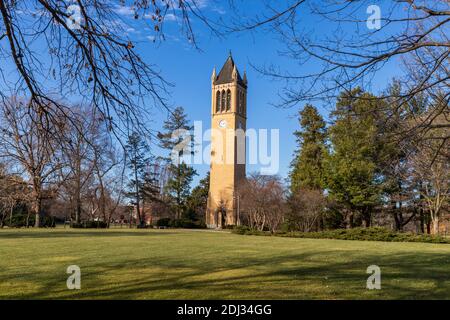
(355, 172)
(77, 173)
(352, 171)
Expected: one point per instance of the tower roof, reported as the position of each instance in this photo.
(226, 73)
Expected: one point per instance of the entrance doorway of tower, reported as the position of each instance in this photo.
(220, 217)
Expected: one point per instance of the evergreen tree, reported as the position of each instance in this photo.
(307, 166)
(198, 199)
(150, 189)
(398, 191)
(179, 186)
(351, 169)
(137, 157)
(176, 121)
(180, 174)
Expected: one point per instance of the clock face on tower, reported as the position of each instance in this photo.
(222, 124)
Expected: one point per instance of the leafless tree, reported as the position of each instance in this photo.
(32, 148)
(262, 201)
(78, 155)
(95, 176)
(109, 173)
(432, 177)
(346, 53)
(80, 48)
(13, 191)
(306, 208)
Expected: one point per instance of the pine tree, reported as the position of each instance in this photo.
(150, 187)
(176, 121)
(307, 166)
(198, 199)
(392, 156)
(179, 184)
(137, 157)
(351, 168)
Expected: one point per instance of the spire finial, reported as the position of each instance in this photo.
(213, 76)
(234, 74)
(229, 54)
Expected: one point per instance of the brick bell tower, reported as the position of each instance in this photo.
(228, 151)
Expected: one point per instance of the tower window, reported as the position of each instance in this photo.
(228, 100)
(222, 103)
(218, 101)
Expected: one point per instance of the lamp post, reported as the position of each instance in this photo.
(238, 213)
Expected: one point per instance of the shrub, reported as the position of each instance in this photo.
(20, 221)
(369, 234)
(285, 227)
(90, 225)
(362, 234)
(241, 229)
(163, 222)
(248, 231)
(186, 223)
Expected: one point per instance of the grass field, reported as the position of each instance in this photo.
(182, 264)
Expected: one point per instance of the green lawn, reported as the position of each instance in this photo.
(179, 264)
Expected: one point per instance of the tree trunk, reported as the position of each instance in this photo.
(3, 219)
(435, 222)
(131, 217)
(36, 209)
(78, 190)
(103, 202)
(138, 208)
(78, 210)
(142, 222)
(422, 223)
(422, 220)
(37, 220)
(10, 216)
(398, 224)
(398, 216)
(179, 201)
(367, 217)
(367, 221)
(350, 221)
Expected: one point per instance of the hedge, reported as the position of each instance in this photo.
(361, 234)
(89, 225)
(20, 221)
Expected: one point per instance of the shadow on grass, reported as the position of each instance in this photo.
(180, 280)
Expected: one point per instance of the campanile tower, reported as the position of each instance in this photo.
(228, 125)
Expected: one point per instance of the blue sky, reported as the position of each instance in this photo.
(190, 70)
